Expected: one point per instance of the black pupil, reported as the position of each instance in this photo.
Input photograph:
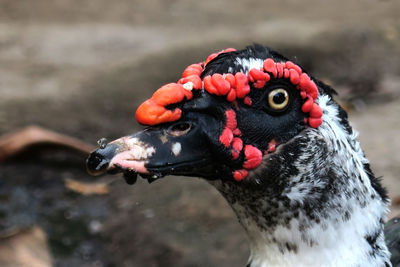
(279, 98)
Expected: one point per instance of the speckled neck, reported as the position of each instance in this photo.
(314, 202)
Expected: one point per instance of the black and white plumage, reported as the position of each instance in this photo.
(311, 202)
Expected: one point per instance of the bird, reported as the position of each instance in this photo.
(273, 141)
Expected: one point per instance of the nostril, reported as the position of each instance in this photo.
(180, 128)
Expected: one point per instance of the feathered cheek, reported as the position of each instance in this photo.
(231, 139)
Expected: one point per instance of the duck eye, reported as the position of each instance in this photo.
(278, 99)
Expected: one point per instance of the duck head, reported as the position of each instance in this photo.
(218, 121)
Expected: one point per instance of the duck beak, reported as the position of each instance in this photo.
(153, 154)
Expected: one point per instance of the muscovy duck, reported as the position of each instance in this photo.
(274, 142)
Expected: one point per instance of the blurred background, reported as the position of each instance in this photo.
(81, 67)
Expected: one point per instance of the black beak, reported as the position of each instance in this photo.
(99, 160)
(178, 149)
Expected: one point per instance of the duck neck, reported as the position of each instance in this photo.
(350, 235)
(332, 228)
(314, 202)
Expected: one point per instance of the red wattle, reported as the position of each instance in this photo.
(247, 101)
(239, 175)
(304, 81)
(253, 157)
(291, 65)
(237, 132)
(242, 85)
(211, 57)
(220, 84)
(316, 111)
(208, 86)
(231, 95)
(314, 122)
(269, 66)
(231, 79)
(259, 84)
(195, 79)
(226, 137)
(294, 77)
(307, 106)
(271, 145)
(230, 115)
(279, 68)
(194, 69)
(237, 146)
(286, 73)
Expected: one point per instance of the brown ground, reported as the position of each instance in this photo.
(82, 67)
